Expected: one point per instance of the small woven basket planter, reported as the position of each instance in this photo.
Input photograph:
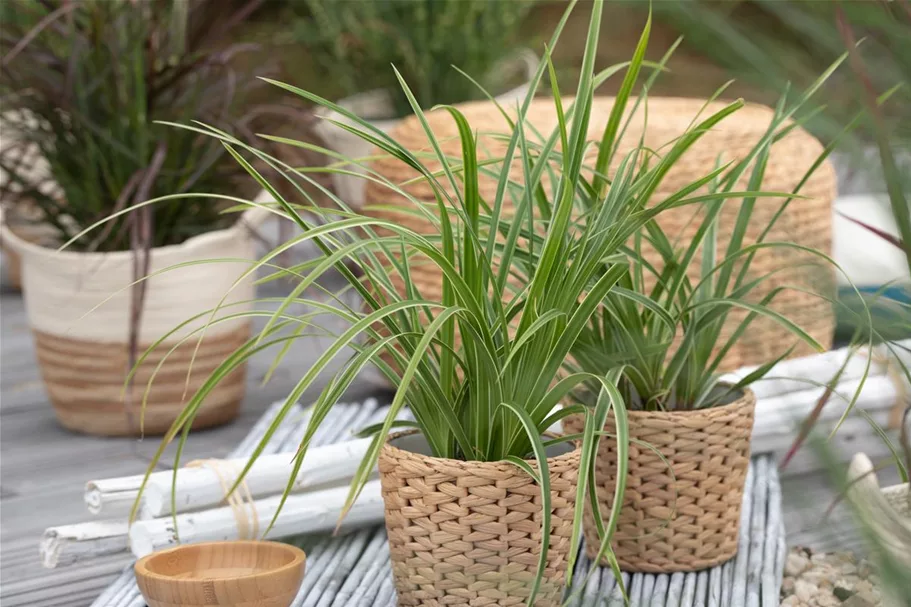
(469, 533)
(681, 521)
(806, 221)
(79, 309)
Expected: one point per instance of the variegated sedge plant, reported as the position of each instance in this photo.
(664, 329)
(492, 392)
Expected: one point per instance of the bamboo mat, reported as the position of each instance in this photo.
(354, 570)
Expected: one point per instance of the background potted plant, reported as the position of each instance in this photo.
(482, 475)
(354, 43)
(84, 83)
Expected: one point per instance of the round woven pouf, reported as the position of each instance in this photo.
(806, 221)
(681, 513)
(469, 533)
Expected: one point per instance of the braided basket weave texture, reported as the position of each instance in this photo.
(681, 514)
(805, 221)
(469, 533)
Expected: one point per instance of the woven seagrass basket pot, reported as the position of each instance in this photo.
(469, 533)
(682, 514)
(79, 307)
(806, 221)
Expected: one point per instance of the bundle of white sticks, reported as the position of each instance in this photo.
(195, 498)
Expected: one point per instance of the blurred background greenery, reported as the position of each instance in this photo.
(337, 48)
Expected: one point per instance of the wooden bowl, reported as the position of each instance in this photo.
(230, 574)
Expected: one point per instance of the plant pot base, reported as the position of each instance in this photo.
(468, 532)
(680, 513)
(85, 383)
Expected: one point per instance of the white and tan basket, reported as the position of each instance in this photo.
(78, 306)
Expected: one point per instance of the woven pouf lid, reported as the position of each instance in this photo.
(806, 221)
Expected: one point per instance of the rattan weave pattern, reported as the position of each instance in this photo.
(806, 221)
(469, 533)
(681, 513)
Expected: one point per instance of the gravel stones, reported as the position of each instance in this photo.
(836, 579)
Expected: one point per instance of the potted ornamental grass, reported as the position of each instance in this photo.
(353, 45)
(483, 504)
(668, 333)
(84, 83)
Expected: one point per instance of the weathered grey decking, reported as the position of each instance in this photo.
(354, 570)
(45, 467)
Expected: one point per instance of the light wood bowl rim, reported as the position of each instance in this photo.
(142, 570)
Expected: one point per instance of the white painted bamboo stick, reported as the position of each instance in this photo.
(386, 595)
(315, 512)
(123, 592)
(780, 565)
(355, 575)
(713, 599)
(648, 586)
(615, 598)
(690, 587)
(769, 587)
(379, 570)
(341, 569)
(377, 574)
(741, 560)
(758, 531)
(204, 487)
(777, 418)
(114, 497)
(68, 544)
(702, 588)
(792, 375)
(635, 589)
(328, 552)
(608, 585)
(661, 587)
(675, 588)
(727, 581)
(592, 588)
(113, 588)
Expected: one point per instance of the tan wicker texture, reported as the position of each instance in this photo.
(806, 221)
(682, 514)
(469, 533)
(85, 381)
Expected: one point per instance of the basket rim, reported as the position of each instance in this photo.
(747, 399)
(391, 450)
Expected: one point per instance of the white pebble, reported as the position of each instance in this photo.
(796, 564)
(805, 591)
